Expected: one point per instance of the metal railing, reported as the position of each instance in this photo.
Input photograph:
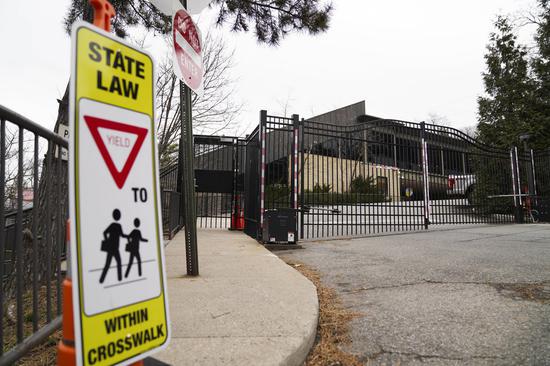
(172, 220)
(33, 189)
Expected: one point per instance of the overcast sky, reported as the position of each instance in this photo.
(406, 59)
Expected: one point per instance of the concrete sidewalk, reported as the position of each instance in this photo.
(247, 307)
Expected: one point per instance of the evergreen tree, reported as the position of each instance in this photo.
(541, 74)
(506, 110)
(128, 14)
(271, 19)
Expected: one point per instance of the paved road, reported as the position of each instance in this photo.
(477, 295)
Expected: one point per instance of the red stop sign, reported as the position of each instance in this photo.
(187, 50)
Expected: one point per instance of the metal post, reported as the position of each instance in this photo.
(36, 200)
(294, 182)
(19, 239)
(531, 186)
(394, 140)
(534, 176)
(295, 165)
(301, 144)
(186, 149)
(2, 223)
(263, 170)
(179, 179)
(516, 185)
(234, 217)
(530, 176)
(425, 176)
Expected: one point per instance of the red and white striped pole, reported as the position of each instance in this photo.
(263, 164)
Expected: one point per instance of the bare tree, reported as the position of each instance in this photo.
(438, 119)
(11, 162)
(214, 111)
(469, 131)
(285, 104)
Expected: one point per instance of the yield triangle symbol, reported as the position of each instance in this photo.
(121, 170)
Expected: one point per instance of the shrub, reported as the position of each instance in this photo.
(363, 185)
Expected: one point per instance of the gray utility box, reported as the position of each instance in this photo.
(279, 226)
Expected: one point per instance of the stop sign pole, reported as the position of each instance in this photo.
(187, 185)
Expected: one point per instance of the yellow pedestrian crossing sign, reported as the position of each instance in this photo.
(117, 256)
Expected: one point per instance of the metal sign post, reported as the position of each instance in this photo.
(187, 50)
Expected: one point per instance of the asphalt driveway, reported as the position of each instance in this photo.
(474, 295)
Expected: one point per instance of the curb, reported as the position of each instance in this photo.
(299, 355)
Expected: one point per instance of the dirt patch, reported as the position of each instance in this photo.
(43, 355)
(46, 352)
(334, 325)
(539, 292)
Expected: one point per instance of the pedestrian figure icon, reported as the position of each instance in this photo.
(110, 244)
(133, 247)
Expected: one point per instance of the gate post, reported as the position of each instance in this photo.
(425, 176)
(235, 199)
(294, 164)
(263, 159)
(535, 199)
(301, 143)
(516, 185)
(533, 172)
(528, 153)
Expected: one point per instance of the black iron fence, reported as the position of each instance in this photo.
(172, 220)
(378, 175)
(219, 181)
(480, 186)
(251, 167)
(359, 180)
(538, 206)
(33, 189)
(219, 185)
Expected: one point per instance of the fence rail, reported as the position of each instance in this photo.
(33, 189)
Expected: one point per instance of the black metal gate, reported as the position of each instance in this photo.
(539, 207)
(219, 183)
(387, 175)
(362, 179)
(366, 177)
(478, 184)
(251, 147)
(379, 175)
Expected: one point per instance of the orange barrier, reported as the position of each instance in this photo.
(66, 354)
(237, 216)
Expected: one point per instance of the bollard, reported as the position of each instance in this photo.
(237, 216)
(66, 354)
